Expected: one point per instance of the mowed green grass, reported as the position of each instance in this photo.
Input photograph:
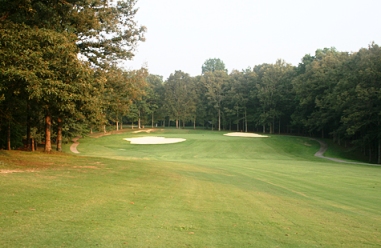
(210, 191)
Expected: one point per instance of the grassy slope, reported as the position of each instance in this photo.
(210, 191)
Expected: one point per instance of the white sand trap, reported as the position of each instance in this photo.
(153, 140)
(248, 135)
(145, 131)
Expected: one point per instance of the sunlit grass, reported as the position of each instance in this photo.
(210, 191)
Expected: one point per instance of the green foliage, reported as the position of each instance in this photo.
(122, 90)
(40, 42)
(213, 65)
(180, 98)
(105, 31)
(40, 68)
(274, 92)
(215, 84)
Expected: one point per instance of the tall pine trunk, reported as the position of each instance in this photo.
(33, 145)
(219, 120)
(28, 137)
(245, 121)
(9, 136)
(379, 151)
(237, 121)
(272, 126)
(59, 135)
(139, 124)
(48, 125)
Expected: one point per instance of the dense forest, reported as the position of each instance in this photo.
(59, 79)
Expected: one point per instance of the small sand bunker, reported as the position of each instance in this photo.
(153, 140)
(248, 135)
(14, 171)
(144, 131)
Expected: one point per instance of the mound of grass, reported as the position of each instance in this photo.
(210, 191)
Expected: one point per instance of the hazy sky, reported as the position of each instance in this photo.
(182, 34)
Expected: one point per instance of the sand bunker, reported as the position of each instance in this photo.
(248, 135)
(145, 131)
(153, 140)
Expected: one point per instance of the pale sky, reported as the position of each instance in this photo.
(182, 34)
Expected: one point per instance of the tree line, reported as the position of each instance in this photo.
(59, 78)
(330, 94)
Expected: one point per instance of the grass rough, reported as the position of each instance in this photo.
(210, 191)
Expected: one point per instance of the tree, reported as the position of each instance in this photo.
(154, 93)
(106, 31)
(178, 97)
(122, 89)
(239, 97)
(215, 83)
(115, 35)
(359, 98)
(45, 68)
(273, 89)
(213, 65)
(314, 89)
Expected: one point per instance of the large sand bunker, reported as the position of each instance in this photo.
(153, 140)
(248, 135)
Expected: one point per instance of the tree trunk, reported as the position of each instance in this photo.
(59, 135)
(370, 153)
(379, 151)
(9, 136)
(152, 120)
(48, 125)
(139, 124)
(117, 125)
(237, 121)
(28, 140)
(264, 128)
(245, 121)
(273, 126)
(104, 129)
(177, 123)
(219, 120)
(33, 145)
(194, 123)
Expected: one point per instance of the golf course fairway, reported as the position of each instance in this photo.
(210, 190)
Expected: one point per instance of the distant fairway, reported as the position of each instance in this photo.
(209, 191)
